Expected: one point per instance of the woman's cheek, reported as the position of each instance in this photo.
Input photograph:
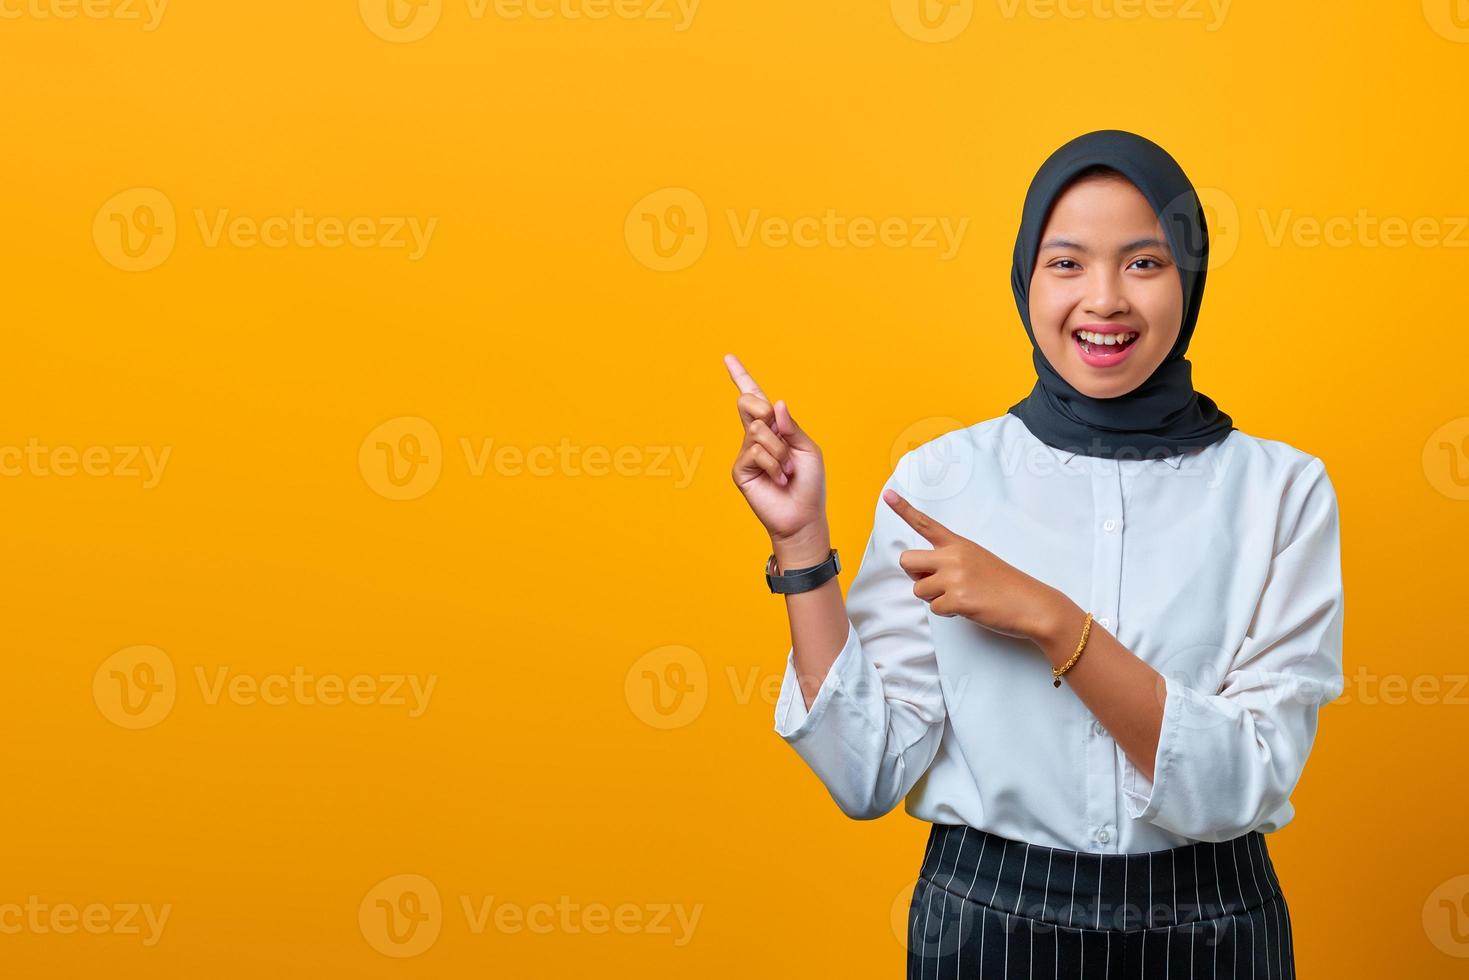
(1163, 304)
(1048, 314)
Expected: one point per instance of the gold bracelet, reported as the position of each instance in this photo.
(1086, 629)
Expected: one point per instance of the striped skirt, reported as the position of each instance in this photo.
(992, 908)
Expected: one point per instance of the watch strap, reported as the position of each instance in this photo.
(796, 580)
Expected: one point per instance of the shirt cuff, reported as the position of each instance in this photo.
(792, 718)
(1142, 797)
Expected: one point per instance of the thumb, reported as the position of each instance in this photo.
(787, 429)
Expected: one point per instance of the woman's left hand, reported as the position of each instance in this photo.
(960, 578)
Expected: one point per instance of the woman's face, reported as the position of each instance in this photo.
(1104, 273)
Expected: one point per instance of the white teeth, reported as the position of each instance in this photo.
(1107, 339)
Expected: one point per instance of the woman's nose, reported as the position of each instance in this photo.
(1105, 296)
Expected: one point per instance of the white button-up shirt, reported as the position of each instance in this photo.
(1219, 567)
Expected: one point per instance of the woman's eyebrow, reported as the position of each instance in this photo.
(1132, 246)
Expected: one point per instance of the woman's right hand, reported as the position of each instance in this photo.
(780, 471)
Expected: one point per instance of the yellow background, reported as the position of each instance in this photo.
(539, 771)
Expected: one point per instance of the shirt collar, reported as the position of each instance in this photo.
(1066, 455)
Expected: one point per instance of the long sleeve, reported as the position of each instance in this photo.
(874, 727)
(1226, 761)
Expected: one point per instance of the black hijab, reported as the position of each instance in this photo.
(1163, 416)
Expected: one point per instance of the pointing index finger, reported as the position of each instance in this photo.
(932, 530)
(742, 377)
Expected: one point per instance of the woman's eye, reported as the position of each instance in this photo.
(1149, 263)
(1065, 264)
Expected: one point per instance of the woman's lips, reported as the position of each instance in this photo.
(1101, 355)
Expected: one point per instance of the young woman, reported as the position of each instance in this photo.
(1182, 578)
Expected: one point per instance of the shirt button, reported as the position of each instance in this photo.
(1109, 525)
(1105, 622)
(1099, 728)
(1104, 835)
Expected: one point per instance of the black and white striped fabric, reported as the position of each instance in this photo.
(992, 908)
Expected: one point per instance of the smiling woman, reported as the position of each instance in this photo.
(1182, 578)
(1113, 240)
(1106, 303)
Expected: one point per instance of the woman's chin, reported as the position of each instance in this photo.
(1086, 381)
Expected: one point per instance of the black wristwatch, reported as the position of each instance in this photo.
(795, 580)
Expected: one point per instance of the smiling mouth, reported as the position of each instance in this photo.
(1104, 345)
